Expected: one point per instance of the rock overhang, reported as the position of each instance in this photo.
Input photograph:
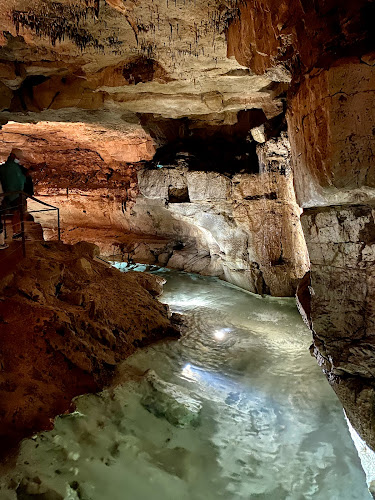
(165, 58)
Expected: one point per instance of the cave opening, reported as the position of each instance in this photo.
(204, 146)
(213, 154)
(178, 195)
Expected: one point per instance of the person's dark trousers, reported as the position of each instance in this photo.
(2, 211)
(2, 235)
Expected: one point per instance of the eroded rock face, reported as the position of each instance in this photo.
(244, 228)
(331, 128)
(289, 38)
(342, 253)
(66, 321)
(97, 55)
(331, 123)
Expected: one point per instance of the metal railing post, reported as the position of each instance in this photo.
(58, 224)
(22, 200)
(4, 219)
(22, 224)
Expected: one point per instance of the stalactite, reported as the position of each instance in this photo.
(97, 7)
(58, 22)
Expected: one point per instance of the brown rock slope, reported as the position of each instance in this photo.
(66, 320)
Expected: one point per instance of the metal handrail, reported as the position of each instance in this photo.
(2, 195)
(7, 193)
(22, 196)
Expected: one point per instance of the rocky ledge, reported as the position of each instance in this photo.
(340, 309)
(66, 321)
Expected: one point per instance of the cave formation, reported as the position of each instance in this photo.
(230, 139)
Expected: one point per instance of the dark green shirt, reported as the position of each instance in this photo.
(12, 178)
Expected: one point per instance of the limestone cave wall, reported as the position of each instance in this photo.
(80, 168)
(93, 92)
(244, 228)
(331, 123)
(325, 49)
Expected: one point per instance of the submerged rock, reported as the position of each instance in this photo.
(34, 489)
(170, 401)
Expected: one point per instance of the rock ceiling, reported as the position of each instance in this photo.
(164, 57)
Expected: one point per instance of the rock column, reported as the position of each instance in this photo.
(332, 133)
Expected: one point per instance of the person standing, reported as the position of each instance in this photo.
(15, 177)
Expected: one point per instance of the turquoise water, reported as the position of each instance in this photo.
(239, 410)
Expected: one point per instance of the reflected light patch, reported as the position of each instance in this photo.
(185, 301)
(221, 334)
(189, 372)
(216, 386)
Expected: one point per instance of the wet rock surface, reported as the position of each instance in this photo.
(66, 321)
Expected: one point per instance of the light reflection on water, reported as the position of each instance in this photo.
(270, 426)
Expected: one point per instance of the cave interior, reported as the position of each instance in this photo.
(232, 139)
